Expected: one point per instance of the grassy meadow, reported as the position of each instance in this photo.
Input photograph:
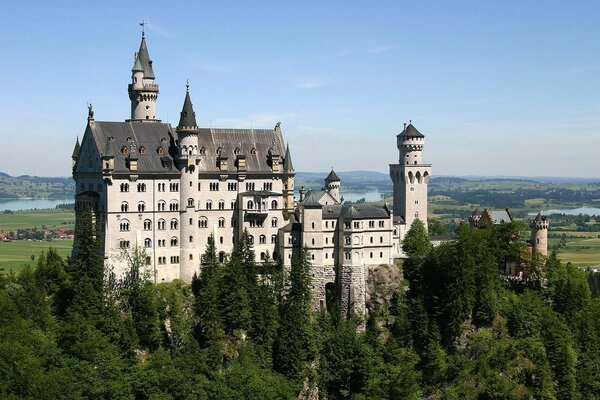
(15, 254)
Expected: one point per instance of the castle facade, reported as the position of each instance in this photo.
(169, 189)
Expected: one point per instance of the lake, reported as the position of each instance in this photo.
(571, 211)
(368, 196)
(31, 204)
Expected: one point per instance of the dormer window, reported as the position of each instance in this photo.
(253, 151)
(219, 151)
(203, 151)
(129, 140)
(142, 150)
(125, 150)
(237, 151)
(160, 151)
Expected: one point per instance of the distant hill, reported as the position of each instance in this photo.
(351, 180)
(26, 186)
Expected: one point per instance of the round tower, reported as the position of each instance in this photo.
(143, 91)
(187, 159)
(410, 177)
(410, 143)
(539, 234)
(332, 184)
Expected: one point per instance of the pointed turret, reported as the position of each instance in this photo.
(143, 91)
(332, 183)
(75, 154)
(187, 120)
(287, 161)
(144, 59)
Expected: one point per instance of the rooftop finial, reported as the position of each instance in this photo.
(410, 121)
(143, 24)
(187, 85)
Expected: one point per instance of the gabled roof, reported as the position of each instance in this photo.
(287, 160)
(498, 216)
(410, 130)
(354, 211)
(332, 177)
(144, 135)
(144, 59)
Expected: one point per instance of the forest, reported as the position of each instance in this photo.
(456, 328)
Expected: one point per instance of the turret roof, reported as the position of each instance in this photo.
(144, 59)
(188, 116)
(76, 149)
(410, 130)
(332, 177)
(108, 151)
(137, 66)
(287, 162)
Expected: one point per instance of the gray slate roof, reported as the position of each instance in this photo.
(287, 160)
(410, 130)
(499, 216)
(76, 149)
(145, 61)
(354, 211)
(245, 140)
(332, 177)
(147, 135)
(188, 116)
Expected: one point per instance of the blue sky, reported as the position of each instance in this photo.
(498, 88)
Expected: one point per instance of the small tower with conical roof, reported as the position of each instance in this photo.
(75, 154)
(539, 234)
(410, 177)
(143, 91)
(332, 184)
(187, 159)
(288, 182)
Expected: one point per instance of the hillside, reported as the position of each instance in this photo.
(25, 186)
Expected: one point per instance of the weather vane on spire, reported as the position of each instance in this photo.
(143, 25)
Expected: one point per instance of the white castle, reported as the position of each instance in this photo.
(168, 189)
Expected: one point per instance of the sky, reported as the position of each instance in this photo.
(498, 88)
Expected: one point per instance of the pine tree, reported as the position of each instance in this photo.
(294, 346)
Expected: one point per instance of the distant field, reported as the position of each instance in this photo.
(581, 251)
(52, 219)
(14, 255)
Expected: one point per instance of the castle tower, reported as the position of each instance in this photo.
(410, 177)
(143, 91)
(75, 154)
(187, 159)
(332, 184)
(539, 234)
(288, 182)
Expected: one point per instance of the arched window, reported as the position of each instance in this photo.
(141, 187)
(221, 222)
(124, 207)
(161, 205)
(250, 204)
(174, 224)
(124, 187)
(190, 202)
(274, 239)
(147, 242)
(173, 206)
(221, 204)
(124, 225)
(141, 206)
(147, 225)
(174, 241)
(203, 222)
(274, 223)
(274, 204)
(209, 205)
(250, 239)
(203, 151)
(162, 224)
(262, 239)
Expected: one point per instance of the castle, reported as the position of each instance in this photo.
(169, 189)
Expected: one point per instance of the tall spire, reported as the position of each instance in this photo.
(143, 91)
(187, 120)
(287, 160)
(145, 60)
